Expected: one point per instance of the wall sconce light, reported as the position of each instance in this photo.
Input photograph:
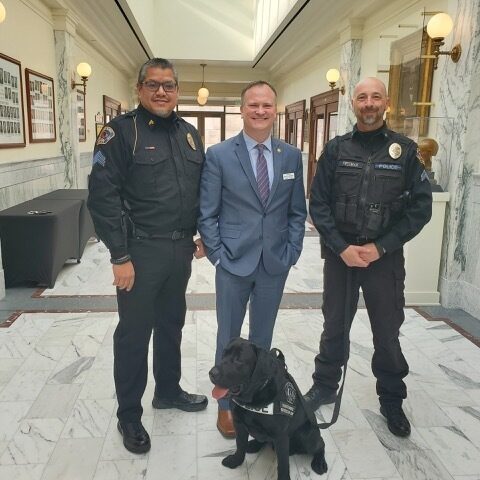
(332, 76)
(84, 70)
(3, 12)
(438, 27)
(203, 93)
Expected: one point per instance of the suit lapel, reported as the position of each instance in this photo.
(278, 155)
(242, 154)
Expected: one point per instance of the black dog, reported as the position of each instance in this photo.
(267, 405)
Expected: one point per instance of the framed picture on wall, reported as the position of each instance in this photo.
(410, 84)
(12, 127)
(82, 129)
(40, 107)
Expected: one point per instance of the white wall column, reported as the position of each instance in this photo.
(459, 100)
(64, 33)
(350, 65)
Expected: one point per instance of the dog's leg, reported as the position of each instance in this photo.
(281, 444)
(319, 464)
(233, 461)
(255, 446)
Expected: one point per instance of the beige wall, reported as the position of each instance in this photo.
(105, 80)
(37, 52)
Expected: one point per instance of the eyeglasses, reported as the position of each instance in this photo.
(152, 86)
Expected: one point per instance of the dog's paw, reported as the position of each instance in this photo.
(232, 461)
(255, 446)
(319, 465)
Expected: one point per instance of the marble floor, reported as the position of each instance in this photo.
(57, 398)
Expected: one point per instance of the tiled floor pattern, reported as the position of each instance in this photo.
(93, 275)
(57, 398)
(57, 405)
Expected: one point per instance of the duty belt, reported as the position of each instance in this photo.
(358, 240)
(175, 235)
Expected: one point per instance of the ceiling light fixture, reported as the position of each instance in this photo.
(203, 93)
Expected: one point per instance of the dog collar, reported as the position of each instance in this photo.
(283, 404)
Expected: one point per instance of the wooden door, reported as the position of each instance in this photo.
(294, 115)
(323, 127)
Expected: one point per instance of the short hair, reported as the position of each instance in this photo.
(257, 83)
(162, 63)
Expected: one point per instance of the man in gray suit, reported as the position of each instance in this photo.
(252, 222)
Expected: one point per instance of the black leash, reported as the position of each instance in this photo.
(347, 324)
(346, 354)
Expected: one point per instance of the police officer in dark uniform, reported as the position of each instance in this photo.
(370, 196)
(143, 197)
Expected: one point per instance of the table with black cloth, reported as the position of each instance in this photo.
(86, 228)
(35, 247)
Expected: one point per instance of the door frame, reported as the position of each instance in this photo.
(324, 104)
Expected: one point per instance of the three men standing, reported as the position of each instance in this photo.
(252, 222)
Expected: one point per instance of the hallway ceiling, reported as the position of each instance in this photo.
(315, 28)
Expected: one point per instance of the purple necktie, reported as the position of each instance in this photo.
(262, 175)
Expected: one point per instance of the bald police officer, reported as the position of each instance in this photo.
(143, 197)
(370, 195)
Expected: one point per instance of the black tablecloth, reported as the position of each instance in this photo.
(35, 247)
(86, 228)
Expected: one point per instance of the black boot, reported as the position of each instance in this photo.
(317, 396)
(135, 437)
(397, 422)
(188, 402)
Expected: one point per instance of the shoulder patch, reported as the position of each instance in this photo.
(105, 136)
(424, 176)
(99, 158)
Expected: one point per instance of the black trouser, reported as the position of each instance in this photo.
(382, 284)
(156, 302)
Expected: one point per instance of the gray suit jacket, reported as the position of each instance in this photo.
(234, 225)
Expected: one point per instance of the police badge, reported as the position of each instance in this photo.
(395, 150)
(190, 141)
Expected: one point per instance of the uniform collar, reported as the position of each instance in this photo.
(153, 121)
(383, 130)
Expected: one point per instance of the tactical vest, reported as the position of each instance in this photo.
(369, 189)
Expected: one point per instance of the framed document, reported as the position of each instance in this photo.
(41, 107)
(82, 129)
(12, 130)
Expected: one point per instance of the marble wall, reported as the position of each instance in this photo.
(458, 172)
(350, 66)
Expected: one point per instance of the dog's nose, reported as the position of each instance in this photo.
(214, 374)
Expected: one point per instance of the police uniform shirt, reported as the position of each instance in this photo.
(377, 169)
(150, 167)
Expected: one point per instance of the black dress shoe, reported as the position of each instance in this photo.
(397, 422)
(135, 437)
(188, 402)
(317, 396)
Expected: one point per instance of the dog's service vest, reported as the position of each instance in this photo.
(283, 404)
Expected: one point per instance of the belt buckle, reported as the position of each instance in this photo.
(178, 234)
